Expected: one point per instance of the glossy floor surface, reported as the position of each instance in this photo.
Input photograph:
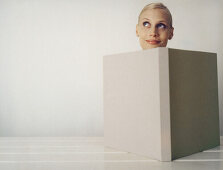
(91, 154)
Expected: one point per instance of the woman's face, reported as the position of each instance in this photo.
(154, 29)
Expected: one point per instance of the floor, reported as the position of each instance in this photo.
(84, 153)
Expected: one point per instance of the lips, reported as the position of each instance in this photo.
(153, 42)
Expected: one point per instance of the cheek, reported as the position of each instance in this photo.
(164, 37)
(142, 33)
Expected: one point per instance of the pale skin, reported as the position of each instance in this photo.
(154, 29)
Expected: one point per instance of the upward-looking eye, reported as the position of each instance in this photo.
(146, 24)
(161, 26)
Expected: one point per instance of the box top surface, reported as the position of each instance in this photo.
(148, 51)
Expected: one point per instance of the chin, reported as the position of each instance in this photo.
(146, 46)
(149, 47)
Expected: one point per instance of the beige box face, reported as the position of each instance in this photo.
(154, 104)
(193, 102)
(132, 112)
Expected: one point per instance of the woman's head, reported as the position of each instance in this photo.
(154, 27)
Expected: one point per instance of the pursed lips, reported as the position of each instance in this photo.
(153, 42)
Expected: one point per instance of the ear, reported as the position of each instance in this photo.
(171, 33)
(137, 33)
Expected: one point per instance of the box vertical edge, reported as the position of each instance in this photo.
(165, 105)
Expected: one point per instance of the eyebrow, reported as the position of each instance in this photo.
(158, 21)
(146, 19)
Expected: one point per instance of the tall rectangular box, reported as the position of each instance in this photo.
(161, 103)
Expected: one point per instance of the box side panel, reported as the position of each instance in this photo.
(131, 103)
(193, 102)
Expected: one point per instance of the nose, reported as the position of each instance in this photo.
(153, 31)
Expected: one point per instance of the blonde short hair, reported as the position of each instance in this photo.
(157, 6)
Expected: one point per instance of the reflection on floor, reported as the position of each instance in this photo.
(89, 153)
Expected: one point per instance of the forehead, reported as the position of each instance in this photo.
(155, 15)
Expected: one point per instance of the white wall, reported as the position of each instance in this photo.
(51, 58)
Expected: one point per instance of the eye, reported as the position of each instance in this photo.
(146, 24)
(161, 26)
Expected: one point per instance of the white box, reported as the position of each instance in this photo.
(161, 102)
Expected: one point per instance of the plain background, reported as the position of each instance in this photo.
(51, 58)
